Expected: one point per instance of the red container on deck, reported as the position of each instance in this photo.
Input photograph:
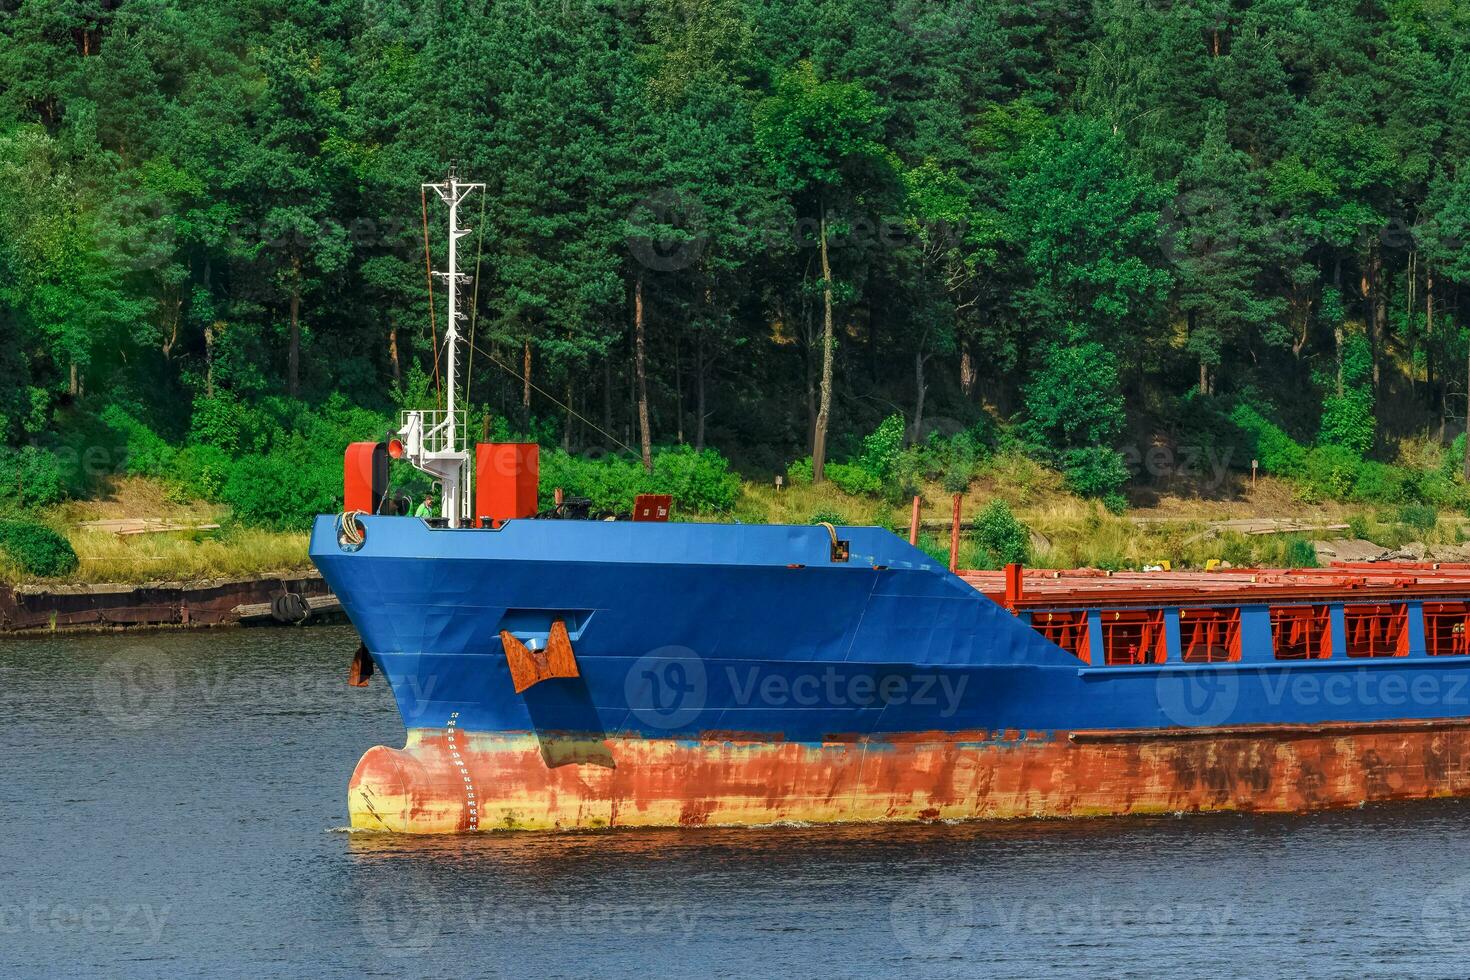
(507, 475)
(365, 476)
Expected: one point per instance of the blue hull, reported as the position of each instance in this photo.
(680, 629)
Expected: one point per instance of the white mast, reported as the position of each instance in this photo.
(432, 439)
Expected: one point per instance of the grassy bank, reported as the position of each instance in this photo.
(1066, 531)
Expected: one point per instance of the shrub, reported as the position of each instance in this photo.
(1072, 400)
(957, 474)
(1277, 452)
(281, 491)
(1330, 471)
(218, 422)
(1095, 472)
(825, 517)
(1301, 553)
(800, 471)
(201, 471)
(610, 482)
(1002, 538)
(1379, 483)
(1347, 420)
(37, 549)
(1452, 463)
(882, 446)
(30, 477)
(699, 481)
(853, 479)
(1422, 517)
(147, 454)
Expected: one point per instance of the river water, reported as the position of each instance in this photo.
(173, 805)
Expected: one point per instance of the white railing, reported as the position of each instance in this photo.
(428, 431)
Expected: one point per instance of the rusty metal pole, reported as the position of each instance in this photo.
(954, 537)
(914, 522)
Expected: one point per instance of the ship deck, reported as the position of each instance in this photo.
(1356, 582)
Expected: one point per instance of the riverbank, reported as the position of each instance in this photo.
(142, 535)
(219, 602)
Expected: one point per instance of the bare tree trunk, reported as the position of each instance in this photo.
(566, 432)
(209, 358)
(607, 397)
(526, 377)
(393, 353)
(75, 386)
(824, 410)
(699, 411)
(1337, 340)
(967, 370)
(1375, 308)
(678, 393)
(645, 437)
(293, 354)
(1429, 332)
(922, 389)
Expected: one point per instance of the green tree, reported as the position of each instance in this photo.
(819, 140)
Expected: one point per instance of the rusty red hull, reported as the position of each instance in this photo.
(445, 781)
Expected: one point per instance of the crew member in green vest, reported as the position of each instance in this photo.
(425, 509)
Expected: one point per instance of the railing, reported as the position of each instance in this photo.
(427, 431)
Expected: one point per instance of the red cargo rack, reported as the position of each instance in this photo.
(1133, 636)
(1377, 630)
(1208, 636)
(1447, 629)
(1301, 632)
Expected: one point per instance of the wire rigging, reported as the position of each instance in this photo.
(429, 275)
(554, 400)
(469, 371)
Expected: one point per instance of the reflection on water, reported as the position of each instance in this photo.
(173, 805)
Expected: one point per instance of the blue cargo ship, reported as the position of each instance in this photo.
(559, 673)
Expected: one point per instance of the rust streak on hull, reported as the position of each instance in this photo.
(946, 776)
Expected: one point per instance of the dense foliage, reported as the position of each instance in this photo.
(759, 226)
(37, 549)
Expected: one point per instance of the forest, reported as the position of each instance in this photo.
(827, 239)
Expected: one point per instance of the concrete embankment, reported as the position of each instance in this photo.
(218, 602)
